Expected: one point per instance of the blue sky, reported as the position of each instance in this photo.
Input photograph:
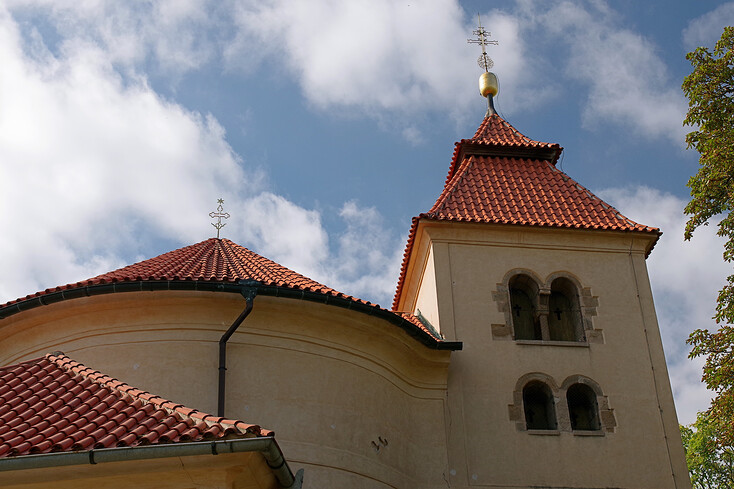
(326, 125)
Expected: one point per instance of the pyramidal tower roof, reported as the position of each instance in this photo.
(501, 176)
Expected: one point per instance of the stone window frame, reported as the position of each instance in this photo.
(516, 410)
(587, 302)
(607, 419)
(530, 284)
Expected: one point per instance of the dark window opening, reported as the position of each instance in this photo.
(564, 313)
(540, 412)
(583, 408)
(523, 297)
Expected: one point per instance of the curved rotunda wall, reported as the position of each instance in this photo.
(353, 399)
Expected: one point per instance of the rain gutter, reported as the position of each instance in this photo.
(267, 446)
(236, 288)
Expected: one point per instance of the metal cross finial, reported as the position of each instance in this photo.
(484, 61)
(219, 215)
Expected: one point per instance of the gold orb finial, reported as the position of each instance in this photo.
(488, 84)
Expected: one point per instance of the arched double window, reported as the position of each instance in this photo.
(577, 405)
(524, 308)
(583, 408)
(539, 407)
(548, 312)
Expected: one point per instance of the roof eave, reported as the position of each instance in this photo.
(468, 147)
(411, 329)
(539, 152)
(265, 445)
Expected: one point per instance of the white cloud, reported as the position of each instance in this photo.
(86, 160)
(175, 33)
(685, 277)
(706, 29)
(363, 259)
(284, 232)
(391, 60)
(387, 60)
(375, 55)
(94, 169)
(368, 256)
(628, 84)
(413, 135)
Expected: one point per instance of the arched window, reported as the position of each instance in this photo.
(540, 411)
(523, 300)
(564, 313)
(583, 408)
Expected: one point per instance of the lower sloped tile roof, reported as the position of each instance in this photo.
(55, 404)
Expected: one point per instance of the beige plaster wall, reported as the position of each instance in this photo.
(427, 299)
(625, 359)
(353, 399)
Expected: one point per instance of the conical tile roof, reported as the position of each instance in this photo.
(217, 265)
(217, 260)
(212, 260)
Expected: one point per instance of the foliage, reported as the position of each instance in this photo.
(710, 465)
(710, 91)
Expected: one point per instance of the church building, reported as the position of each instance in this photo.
(521, 350)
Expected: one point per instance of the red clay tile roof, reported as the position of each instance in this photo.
(212, 260)
(54, 404)
(417, 322)
(502, 177)
(497, 137)
(495, 130)
(504, 190)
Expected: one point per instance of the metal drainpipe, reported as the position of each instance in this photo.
(249, 291)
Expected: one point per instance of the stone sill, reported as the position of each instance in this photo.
(544, 432)
(582, 344)
(588, 433)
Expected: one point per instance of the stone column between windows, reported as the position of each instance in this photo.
(543, 311)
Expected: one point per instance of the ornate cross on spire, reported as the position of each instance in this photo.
(484, 61)
(219, 215)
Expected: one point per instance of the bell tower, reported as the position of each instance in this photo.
(562, 381)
